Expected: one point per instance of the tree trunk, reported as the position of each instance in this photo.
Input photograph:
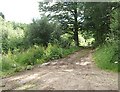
(76, 39)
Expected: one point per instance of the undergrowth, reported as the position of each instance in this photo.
(106, 57)
(19, 61)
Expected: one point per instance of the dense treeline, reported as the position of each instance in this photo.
(62, 28)
(76, 16)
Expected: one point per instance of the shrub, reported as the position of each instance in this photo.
(30, 56)
(53, 52)
(8, 62)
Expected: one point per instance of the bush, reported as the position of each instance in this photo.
(8, 62)
(30, 56)
(53, 52)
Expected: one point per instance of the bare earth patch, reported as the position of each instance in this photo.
(75, 72)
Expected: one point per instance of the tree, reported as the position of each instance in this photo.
(97, 19)
(69, 14)
(2, 15)
(41, 32)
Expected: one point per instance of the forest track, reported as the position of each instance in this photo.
(75, 72)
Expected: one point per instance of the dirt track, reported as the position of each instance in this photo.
(71, 73)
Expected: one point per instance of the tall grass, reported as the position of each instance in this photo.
(18, 61)
(106, 57)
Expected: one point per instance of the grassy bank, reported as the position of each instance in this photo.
(19, 61)
(106, 57)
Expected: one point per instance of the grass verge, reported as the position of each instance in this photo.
(19, 61)
(106, 57)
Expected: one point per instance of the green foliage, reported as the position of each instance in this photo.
(106, 57)
(39, 32)
(4, 41)
(97, 19)
(53, 52)
(54, 36)
(66, 40)
(70, 50)
(8, 62)
(57, 32)
(30, 56)
(17, 61)
(67, 13)
(115, 32)
(115, 28)
(11, 37)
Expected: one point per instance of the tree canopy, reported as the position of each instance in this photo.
(2, 15)
(69, 14)
(77, 16)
